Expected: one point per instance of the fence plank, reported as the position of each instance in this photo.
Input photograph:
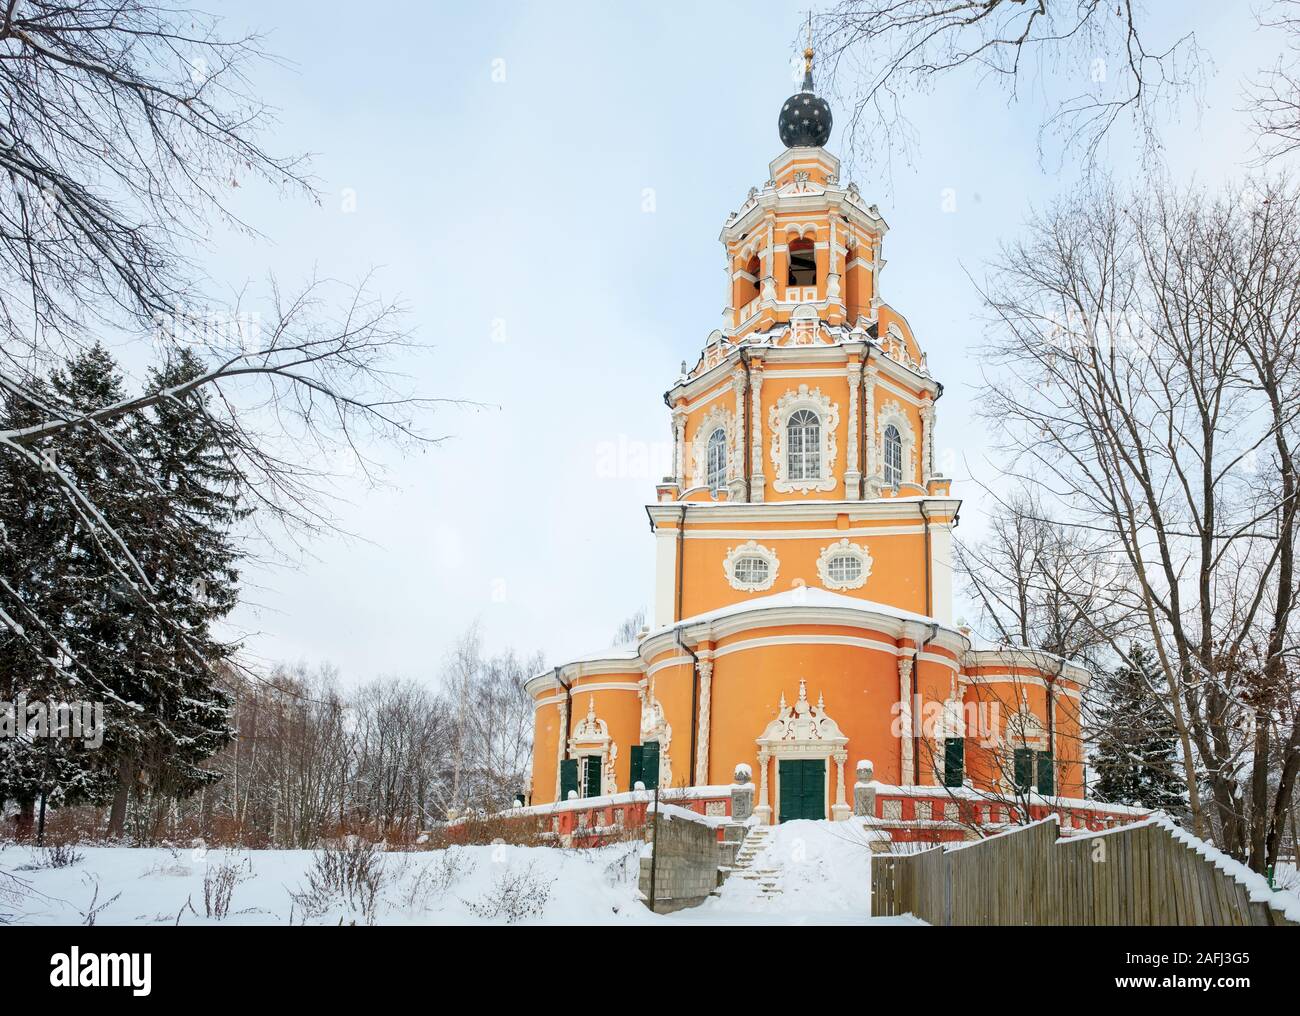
(1028, 876)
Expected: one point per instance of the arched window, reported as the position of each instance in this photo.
(716, 460)
(803, 446)
(893, 457)
(803, 263)
(754, 269)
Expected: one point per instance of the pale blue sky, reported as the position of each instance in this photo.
(521, 203)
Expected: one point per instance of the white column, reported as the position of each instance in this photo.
(562, 740)
(702, 738)
(757, 479)
(736, 458)
(665, 576)
(941, 572)
(841, 809)
(764, 810)
(679, 447)
(873, 468)
(832, 267)
(852, 475)
(927, 441)
(905, 720)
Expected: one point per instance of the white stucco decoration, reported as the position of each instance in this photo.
(843, 548)
(745, 550)
(717, 418)
(828, 413)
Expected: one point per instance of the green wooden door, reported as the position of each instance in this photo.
(803, 788)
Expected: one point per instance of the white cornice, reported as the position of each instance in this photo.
(804, 510)
(864, 618)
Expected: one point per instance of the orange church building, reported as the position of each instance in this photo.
(803, 599)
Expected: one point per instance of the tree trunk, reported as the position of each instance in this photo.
(117, 815)
(26, 816)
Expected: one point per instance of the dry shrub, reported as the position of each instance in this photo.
(482, 830)
(219, 883)
(432, 879)
(56, 855)
(350, 873)
(516, 895)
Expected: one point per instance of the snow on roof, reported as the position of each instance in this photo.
(804, 596)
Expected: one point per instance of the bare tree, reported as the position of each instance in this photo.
(1042, 585)
(1143, 371)
(630, 629)
(1275, 95)
(1094, 61)
(127, 128)
(491, 717)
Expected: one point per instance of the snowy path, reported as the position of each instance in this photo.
(813, 873)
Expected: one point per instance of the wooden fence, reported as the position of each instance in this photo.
(1149, 873)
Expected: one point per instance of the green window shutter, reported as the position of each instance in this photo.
(1024, 768)
(568, 777)
(592, 766)
(1046, 774)
(650, 764)
(634, 774)
(954, 761)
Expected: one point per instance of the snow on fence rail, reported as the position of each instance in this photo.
(932, 814)
(1148, 873)
(596, 821)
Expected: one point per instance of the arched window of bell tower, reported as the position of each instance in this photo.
(803, 263)
(754, 269)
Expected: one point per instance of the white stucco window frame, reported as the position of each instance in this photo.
(843, 548)
(591, 737)
(892, 412)
(717, 418)
(828, 413)
(751, 549)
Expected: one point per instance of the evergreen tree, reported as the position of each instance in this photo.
(191, 557)
(1136, 760)
(63, 641)
(150, 660)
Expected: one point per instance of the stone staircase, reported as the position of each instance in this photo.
(743, 867)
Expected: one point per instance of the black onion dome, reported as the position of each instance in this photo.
(805, 119)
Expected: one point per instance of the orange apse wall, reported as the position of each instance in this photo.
(618, 708)
(897, 574)
(860, 686)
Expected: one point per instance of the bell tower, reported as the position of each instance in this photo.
(813, 402)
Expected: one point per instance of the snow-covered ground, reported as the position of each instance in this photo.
(824, 877)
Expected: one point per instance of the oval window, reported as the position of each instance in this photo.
(751, 571)
(845, 568)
